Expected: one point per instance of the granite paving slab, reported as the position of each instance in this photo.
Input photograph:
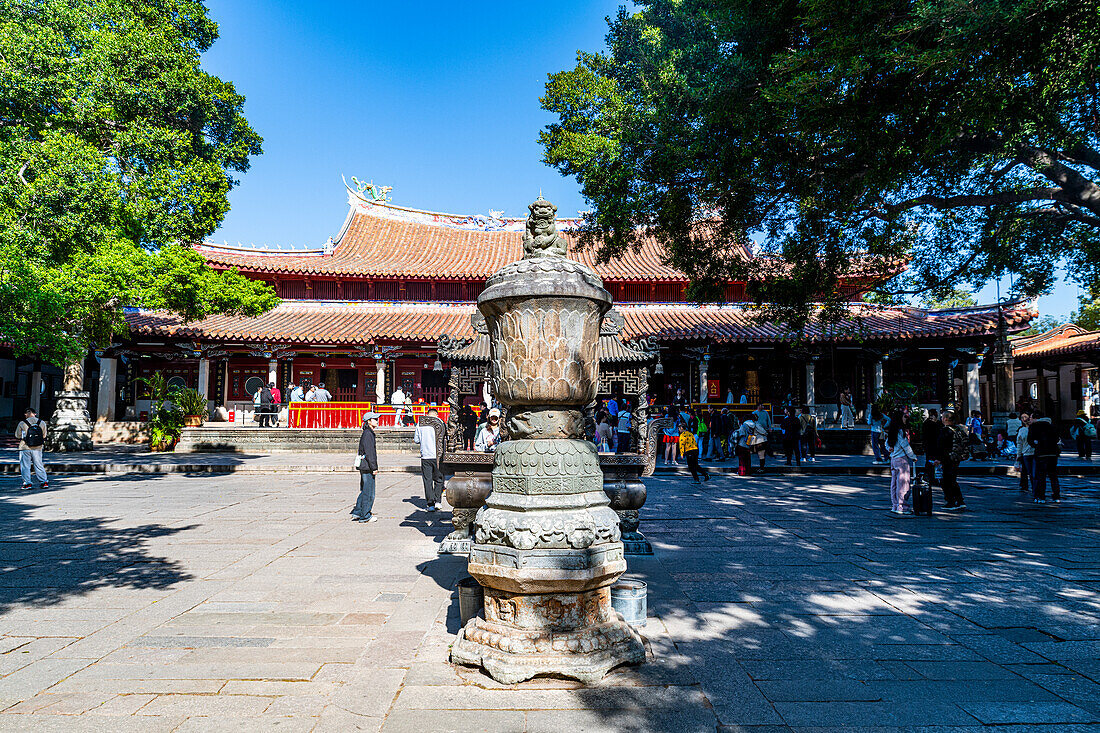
(780, 603)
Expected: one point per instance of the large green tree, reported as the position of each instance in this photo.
(846, 136)
(116, 152)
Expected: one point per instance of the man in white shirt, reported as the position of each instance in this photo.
(425, 437)
(298, 394)
(322, 394)
(31, 433)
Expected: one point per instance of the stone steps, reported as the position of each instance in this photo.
(286, 440)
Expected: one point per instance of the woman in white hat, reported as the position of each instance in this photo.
(489, 437)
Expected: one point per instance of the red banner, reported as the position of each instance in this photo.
(714, 389)
(350, 414)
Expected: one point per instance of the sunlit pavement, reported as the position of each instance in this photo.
(780, 603)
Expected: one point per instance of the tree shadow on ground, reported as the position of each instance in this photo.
(44, 561)
(799, 601)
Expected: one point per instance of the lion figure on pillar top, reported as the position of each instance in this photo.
(542, 238)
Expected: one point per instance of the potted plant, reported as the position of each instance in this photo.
(165, 428)
(166, 422)
(194, 407)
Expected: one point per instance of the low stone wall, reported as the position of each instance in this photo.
(284, 440)
(121, 432)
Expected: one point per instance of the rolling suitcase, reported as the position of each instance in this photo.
(922, 496)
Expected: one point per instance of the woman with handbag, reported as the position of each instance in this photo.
(367, 463)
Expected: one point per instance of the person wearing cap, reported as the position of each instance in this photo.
(489, 437)
(31, 434)
(1079, 430)
(425, 437)
(367, 463)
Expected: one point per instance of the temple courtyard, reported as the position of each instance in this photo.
(782, 603)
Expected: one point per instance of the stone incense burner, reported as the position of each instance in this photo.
(547, 544)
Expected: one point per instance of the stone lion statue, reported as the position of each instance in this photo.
(541, 238)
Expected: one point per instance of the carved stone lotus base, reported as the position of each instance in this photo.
(576, 635)
(70, 426)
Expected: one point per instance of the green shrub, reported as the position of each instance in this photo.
(192, 402)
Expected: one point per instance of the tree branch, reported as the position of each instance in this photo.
(1036, 193)
(1076, 189)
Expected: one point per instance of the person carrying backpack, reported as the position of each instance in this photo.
(954, 447)
(31, 433)
(1083, 431)
(1044, 438)
(267, 403)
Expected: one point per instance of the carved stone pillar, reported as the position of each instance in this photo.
(108, 381)
(973, 389)
(380, 383)
(70, 427)
(546, 545)
(36, 389)
(811, 386)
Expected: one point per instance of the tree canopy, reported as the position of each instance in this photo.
(846, 137)
(116, 152)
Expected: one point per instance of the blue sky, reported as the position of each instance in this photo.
(438, 100)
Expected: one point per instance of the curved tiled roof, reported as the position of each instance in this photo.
(1061, 341)
(298, 321)
(682, 322)
(375, 242)
(321, 322)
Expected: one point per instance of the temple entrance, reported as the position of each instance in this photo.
(343, 384)
(434, 386)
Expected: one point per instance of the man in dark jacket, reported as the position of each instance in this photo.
(368, 467)
(1043, 437)
(949, 461)
(267, 401)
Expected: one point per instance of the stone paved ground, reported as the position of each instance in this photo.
(153, 603)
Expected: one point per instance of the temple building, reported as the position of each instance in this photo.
(366, 312)
(1057, 372)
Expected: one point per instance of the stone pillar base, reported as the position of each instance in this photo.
(635, 543)
(70, 426)
(459, 541)
(575, 635)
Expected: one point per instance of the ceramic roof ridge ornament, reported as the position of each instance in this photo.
(547, 544)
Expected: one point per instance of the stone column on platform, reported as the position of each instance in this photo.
(546, 544)
(36, 389)
(70, 427)
(703, 392)
(973, 388)
(108, 381)
(878, 379)
(273, 372)
(380, 383)
(1003, 377)
(811, 386)
(204, 378)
